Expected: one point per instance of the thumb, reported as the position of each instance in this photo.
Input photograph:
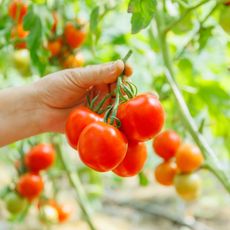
(97, 74)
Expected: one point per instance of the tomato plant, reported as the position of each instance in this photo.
(108, 144)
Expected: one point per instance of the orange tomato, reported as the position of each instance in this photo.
(74, 36)
(165, 172)
(188, 158)
(55, 47)
(73, 61)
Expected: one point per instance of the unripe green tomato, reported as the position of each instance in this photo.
(15, 203)
(48, 214)
(224, 19)
(21, 59)
(188, 186)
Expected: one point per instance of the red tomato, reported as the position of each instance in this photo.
(55, 47)
(74, 37)
(30, 185)
(142, 117)
(165, 173)
(40, 157)
(166, 144)
(77, 121)
(17, 10)
(73, 61)
(134, 160)
(102, 147)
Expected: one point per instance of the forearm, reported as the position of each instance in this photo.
(19, 114)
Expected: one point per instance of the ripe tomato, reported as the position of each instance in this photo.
(188, 186)
(30, 186)
(40, 157)
(166, 144)
(224, 19)
(15, 203)
(17, 10)
(141, 118)
(165, 172)
(55, 47)
(20, 34)
(77, 121)
(188, 158)
(48, 214)
(74, 37)
(73, 61)
(102, 147)
(134, 160)
(128, 70)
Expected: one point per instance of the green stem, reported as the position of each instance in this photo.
(76, 184)
(208, 153)
(190, 9)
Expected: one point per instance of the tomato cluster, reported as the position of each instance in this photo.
(53, 212)
(180, 161)
(105, 147)
(63, 46)
(38, 158)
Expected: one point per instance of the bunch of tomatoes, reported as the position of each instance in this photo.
(179, 166)
(63, 48)
(117, 143)
(29, 186)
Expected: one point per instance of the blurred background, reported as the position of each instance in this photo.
(33, 46)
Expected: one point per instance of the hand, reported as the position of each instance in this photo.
(44, 106)
(61, 92)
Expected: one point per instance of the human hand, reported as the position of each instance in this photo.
(59, 93)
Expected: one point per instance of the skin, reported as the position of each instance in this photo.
(44, 106)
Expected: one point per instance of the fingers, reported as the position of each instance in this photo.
(97, 74)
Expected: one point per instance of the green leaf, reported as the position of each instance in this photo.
(204, 36)
(142, 13)
(94, 19)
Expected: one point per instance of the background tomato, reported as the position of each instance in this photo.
(165, 172)
(72, 61)
(55, 47)
(77, 121)
(22, 61)
(188, 158)
(40, 157)
(17, 10)
(30, 186)
(166, 144)
(19, 34)
(134, 160)
(102, 147)
(48, 214)
(15, 203)
(142, 117)
(188, 186)
(74, 36)
(64, 212)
